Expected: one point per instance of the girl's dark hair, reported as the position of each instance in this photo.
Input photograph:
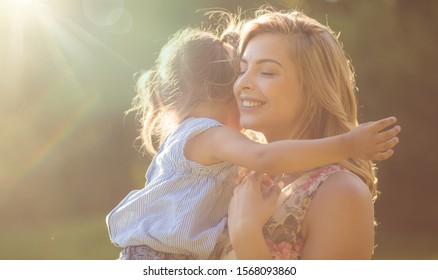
(195, 65)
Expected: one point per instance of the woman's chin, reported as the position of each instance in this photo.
(248, 123)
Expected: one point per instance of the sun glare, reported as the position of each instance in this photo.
(38, 41)
(21, 2)
(20, 8)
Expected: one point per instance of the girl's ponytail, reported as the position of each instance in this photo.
(148, 106)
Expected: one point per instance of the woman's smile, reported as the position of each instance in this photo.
(250, 103)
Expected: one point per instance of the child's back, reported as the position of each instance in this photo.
(183, 207)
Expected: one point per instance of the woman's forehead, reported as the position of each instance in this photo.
(268, 46)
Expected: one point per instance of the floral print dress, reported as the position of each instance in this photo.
(283, 230)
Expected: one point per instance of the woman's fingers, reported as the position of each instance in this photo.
(273, 193)
(256, 178)
(253, 201)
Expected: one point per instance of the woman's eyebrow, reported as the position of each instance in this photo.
(263, 60)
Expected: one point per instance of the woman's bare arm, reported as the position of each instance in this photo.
(339, 223)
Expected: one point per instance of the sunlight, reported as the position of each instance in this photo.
(20, 10)
(22, 2)
(44, 46)
(16, 18)
(16, 14)
(20, 6)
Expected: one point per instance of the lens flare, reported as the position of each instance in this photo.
(45, 54)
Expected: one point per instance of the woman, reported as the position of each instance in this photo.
(296, 82)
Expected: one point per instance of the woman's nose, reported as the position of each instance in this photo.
(243, 81)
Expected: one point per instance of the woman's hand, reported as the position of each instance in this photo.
(251, 206)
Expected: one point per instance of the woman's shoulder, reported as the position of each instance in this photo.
(340, 218)
(342, 193)
(343, 183)
(336, 179)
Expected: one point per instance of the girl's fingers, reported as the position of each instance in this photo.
(388, 144)
(388, 134)
(383, 155)
(382, 124)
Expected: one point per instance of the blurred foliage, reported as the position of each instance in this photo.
(68, 153)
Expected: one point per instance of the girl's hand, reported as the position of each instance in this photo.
(370, 141)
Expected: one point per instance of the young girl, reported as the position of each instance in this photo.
(186, 106)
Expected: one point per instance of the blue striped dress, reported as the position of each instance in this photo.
(183, 207)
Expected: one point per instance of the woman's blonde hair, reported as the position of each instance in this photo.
(194, 66)
(326, 76)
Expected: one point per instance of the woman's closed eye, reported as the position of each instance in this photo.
(268, 74)
(268, 71)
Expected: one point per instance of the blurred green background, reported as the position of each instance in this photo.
(67, 154)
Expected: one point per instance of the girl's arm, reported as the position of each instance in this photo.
(223, 143)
